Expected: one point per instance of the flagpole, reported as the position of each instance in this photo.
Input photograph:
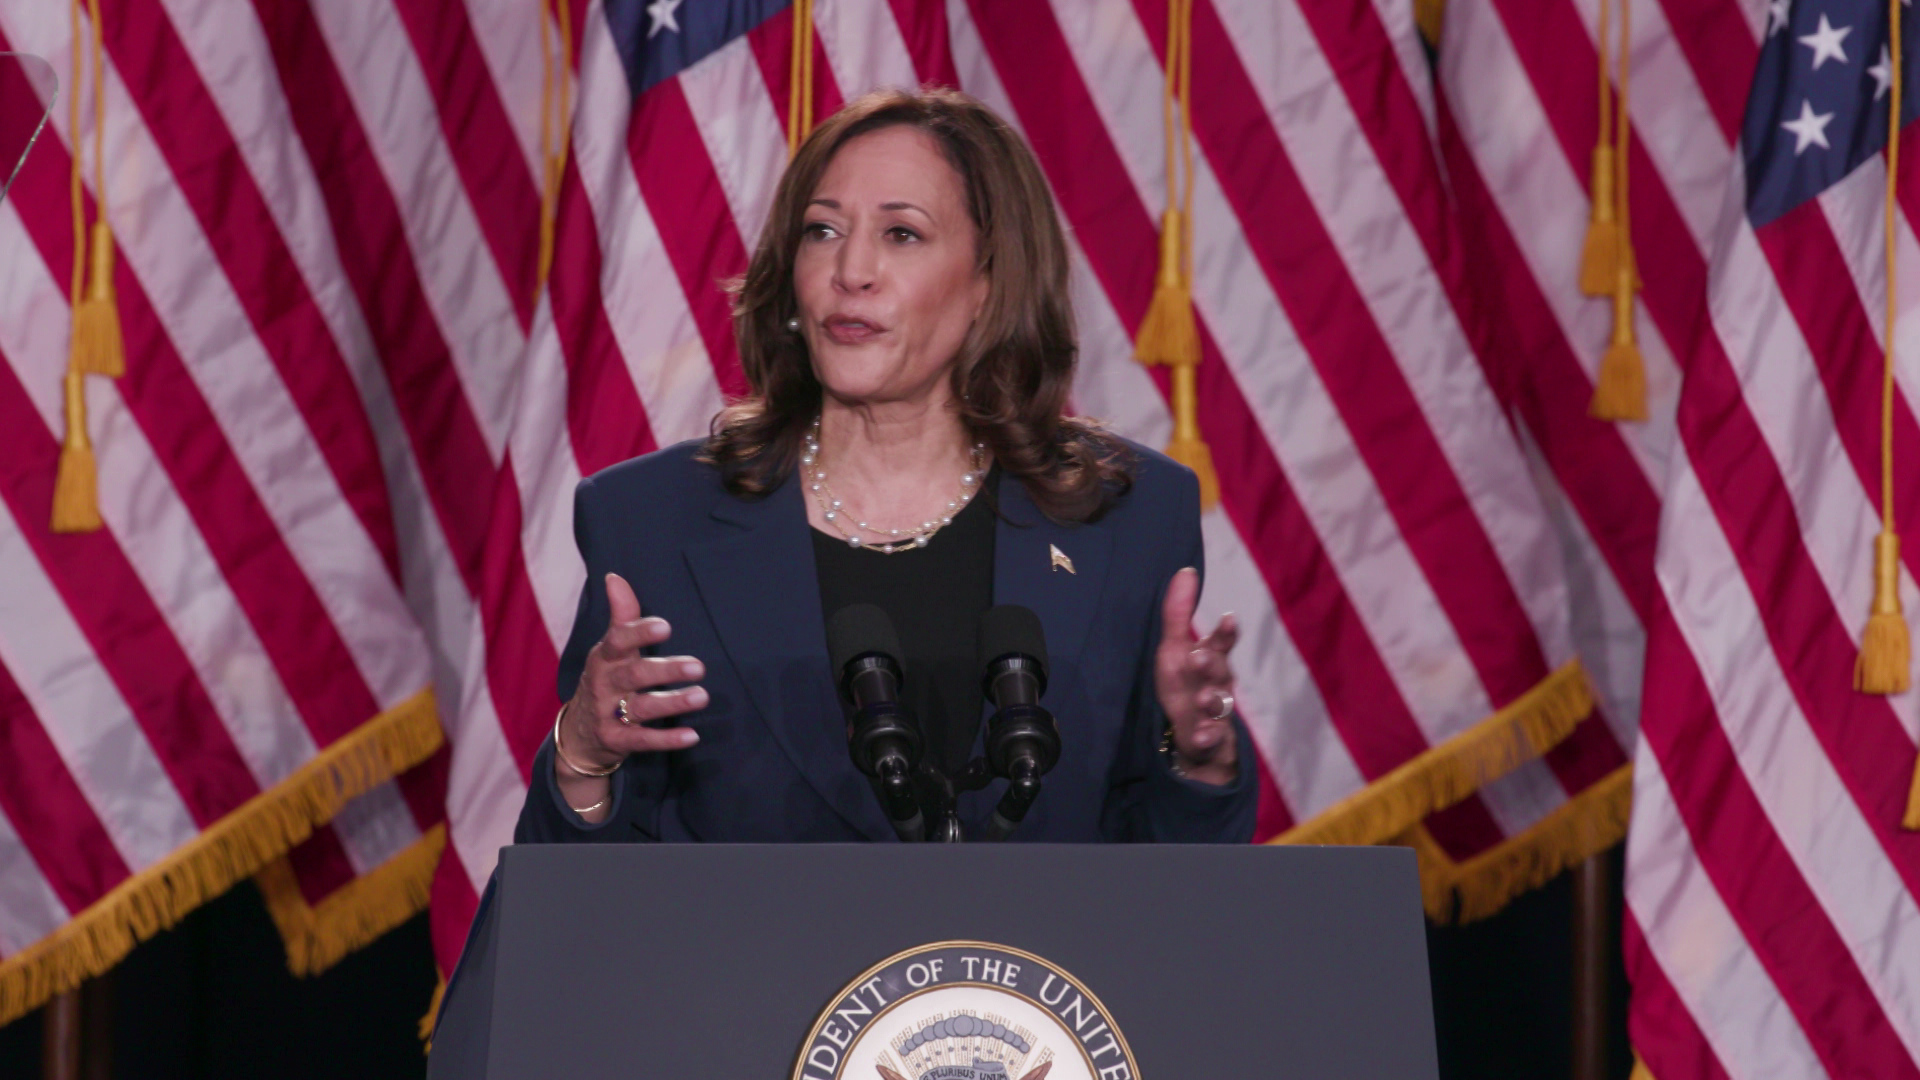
(1594, 944)
(60, 1037)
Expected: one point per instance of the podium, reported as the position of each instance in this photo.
(953, 962)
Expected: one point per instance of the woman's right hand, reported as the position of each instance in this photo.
(616, 671)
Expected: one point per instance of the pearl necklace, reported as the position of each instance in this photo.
(895, 539)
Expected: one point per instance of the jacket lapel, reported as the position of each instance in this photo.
(1026, 572)
(762, 590)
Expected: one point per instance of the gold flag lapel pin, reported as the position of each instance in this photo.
(1060, 560)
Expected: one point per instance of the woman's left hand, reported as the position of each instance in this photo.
(1194, 682)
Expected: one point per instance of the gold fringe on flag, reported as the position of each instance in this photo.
(1581, 827)
(97, 346)
(556, 88)
(1620, 390)
(1640, 1070)
(320, 936)
(800, 78)
(432, 1016)
(1527, 727)
(236, 846)
(1168, 333)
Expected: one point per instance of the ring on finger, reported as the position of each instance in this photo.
(620, 712)
(1226, 708)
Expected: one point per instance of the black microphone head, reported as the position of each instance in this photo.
(1011, 629)
(859, 630)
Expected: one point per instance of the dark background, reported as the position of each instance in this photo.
(212, 998)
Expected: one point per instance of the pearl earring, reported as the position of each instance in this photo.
(793, 324)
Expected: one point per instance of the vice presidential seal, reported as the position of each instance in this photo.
(965, 1010)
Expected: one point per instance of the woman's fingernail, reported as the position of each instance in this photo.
(697, 697)
(688, 736)
(690, 670)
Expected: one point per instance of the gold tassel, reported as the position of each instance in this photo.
(1187, 447)
(1620, 391)
(1602, 250)
(555, 90)
(1911, 819)
(1885, 652)
(1886, 648)
(97, 346)
(1597, 256)
(1168, 334)
(76, 500)
(800, 78)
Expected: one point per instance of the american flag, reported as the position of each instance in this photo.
(338, 468)
(1770, 892)
(1760, 764)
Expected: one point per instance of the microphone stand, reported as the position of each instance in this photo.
(1023, 743)
(885, 745)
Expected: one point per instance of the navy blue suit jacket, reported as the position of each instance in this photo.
(735, 578)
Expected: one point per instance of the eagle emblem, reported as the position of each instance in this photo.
(965, 1010)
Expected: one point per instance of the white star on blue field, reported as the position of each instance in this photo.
(1818, 109)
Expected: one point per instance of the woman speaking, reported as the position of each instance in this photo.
(908, 342)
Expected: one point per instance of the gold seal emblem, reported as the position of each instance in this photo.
(965, 1010)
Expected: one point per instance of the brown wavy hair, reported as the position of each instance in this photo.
(1015, 368)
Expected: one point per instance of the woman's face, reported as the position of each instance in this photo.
(885, 274)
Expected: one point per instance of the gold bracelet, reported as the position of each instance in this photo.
(561, 752)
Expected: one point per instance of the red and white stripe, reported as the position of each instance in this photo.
(1771, 905)
(1356, 655)
(340, 464)
(242, 609)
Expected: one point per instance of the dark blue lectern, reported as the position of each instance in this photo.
(883, 962)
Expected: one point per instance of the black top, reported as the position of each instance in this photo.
(935, 596)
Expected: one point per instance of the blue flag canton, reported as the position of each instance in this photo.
(1818, 107)
(659, 39)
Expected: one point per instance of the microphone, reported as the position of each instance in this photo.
(883, 740)
(1022, 742)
